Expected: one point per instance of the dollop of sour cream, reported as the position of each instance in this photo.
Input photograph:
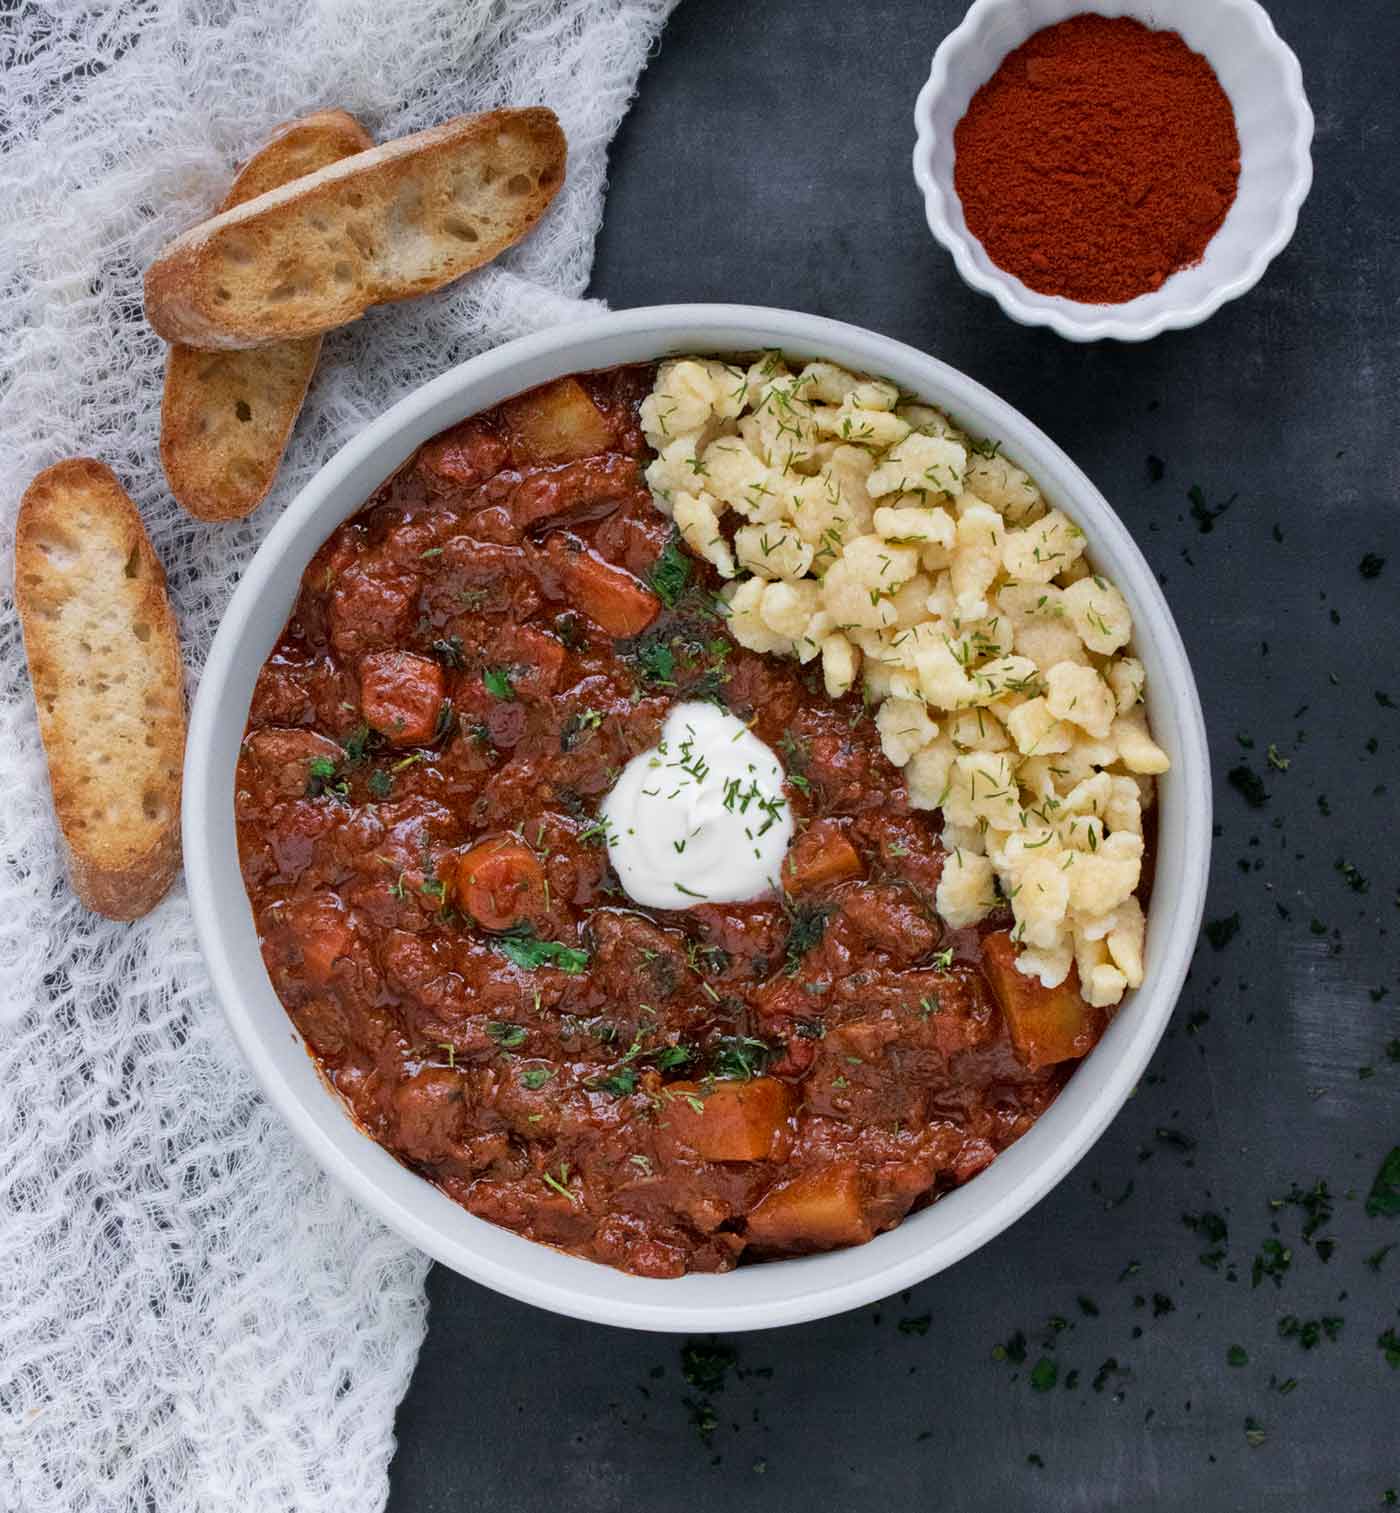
(701, 817)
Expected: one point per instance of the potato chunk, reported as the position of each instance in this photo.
(555, 423)
(610, 596)
(733, 1121)
(820, 855)
(401, 696)
(815, 1210)
(1046, 1024)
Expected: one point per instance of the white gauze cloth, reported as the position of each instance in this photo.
(193, 1317)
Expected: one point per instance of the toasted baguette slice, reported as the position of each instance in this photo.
(105, 665)
(226, 416)
(400, 220)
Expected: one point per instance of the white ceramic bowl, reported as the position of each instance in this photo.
(1259, 73)
(782, 1292)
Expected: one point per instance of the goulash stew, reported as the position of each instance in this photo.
(472, 665)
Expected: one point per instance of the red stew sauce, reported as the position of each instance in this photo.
(471, 661)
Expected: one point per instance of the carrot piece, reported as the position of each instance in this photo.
(401, 696)
(609, 595)
(815, 1210)
(1046, 1024)
(557, 422)
(820, 855)
(733, 1121)
(499, 883)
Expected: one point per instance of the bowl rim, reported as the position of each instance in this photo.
(1061, 317)
(780, 1292)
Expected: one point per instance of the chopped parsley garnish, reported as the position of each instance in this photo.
(705, 1367)
(670, 573)
(1245, 781)
(1273, 1261)
(1201, 512)
(535, 1077)
(808, 925)
(449, 651)
(658, 663)
(740, 1057)
(1389, 1343)
(498, 684)
(1308, 1332)
(380, 783)
(578, 727)
(528, 951)
(322, 778)
(358, 744)
(619, 1083)
(1383, 1200)
(507, 1036)
(1237, 1355)
(1220, 932)
(1044, 1374)
(1353, 877)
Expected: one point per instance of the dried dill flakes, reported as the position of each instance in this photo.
(1213, 1229)
(1370, 565)
(449, 651)
(706, 1366)
(1014, 1350)
(1315, 1204)
(1309, 1332)
(1254, 1433)
(1389, 1343)
(1377, 1257)
(1352, 876)
(1109, 1368)
(1273, 1260)
(1220, 932)
(1204, 516)
(1249, 785)
(1384, 1198)
(741, 1057)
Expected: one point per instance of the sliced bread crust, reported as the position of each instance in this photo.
(402, 219)
(226, 417)
(104, 661)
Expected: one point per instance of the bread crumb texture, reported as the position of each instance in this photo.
(108, 683)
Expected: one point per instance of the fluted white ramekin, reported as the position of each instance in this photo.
(1264, 82)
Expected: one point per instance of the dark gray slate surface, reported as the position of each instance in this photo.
(767, 161)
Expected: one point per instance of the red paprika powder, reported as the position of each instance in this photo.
(1098, 159)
